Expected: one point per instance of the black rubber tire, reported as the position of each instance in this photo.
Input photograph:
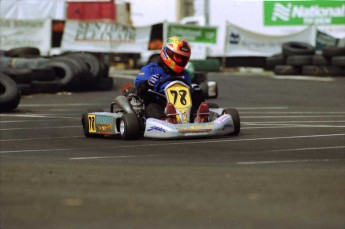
(322, 71)
(92, 63)
(19, 75)
(204, 88)
(25, 89)
(103, 84)
(338, 61)
(131, 124)
(333, 51)
(319, 60)
(27, 62)
(43, 74)
(299, 60)
(236, 119)
(64, 73)
(9, 94)
(287, 70)
(297, 48)
(200, 77)
(46, 86)
(277, 59)
(23, 52)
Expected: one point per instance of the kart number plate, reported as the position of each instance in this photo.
(179, 96)
(92, 123)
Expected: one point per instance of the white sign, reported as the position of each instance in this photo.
(240, 42)
(104, 37)
(26, 33)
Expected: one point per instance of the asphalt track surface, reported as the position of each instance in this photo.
(286, 169)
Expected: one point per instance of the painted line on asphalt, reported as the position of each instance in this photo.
(281, 126)
(293, 116)
(291, 112)
(58, 104)
(287, 122)
(116, 157)
(284, 161)
(307, 149)
(51, 116)
(262, 108)
(39, 128)
(32, 139)
(310, 78)
(175, 143)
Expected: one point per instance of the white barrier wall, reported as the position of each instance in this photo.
(26, 33)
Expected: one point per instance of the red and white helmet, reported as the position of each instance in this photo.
(175, 53)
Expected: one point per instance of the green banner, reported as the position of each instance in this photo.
(278, 13)
(194, 34)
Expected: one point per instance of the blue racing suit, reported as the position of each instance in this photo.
(154, 104)
(154, 69)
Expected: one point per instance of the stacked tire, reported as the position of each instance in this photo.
(9, 93)
(299, 58)
(70, 72)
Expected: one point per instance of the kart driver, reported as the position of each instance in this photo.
(174, 57)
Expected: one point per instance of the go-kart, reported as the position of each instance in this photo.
(126, 117)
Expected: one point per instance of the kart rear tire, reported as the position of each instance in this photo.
(236, 119)
(129, 126)
(204, 89)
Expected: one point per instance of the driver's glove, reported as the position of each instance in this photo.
(152, 80)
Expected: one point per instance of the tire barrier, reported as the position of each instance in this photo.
(70, 72)
(9, 93)
(299, 58)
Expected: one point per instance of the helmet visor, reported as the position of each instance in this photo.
(179, 59)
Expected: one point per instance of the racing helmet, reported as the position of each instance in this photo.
(175, 53)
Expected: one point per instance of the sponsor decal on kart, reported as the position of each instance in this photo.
(202, 127)
(104, 120)
(104, 129)
(157, 128)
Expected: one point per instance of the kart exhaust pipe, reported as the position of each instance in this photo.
(122, 102)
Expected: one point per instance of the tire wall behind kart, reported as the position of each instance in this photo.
(9, 94)
(298, 58)
(71, 72)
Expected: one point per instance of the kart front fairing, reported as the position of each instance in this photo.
(155, 128)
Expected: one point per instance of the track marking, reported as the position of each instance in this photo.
(272, 126)
(294, 116)
(306, 149)
(173, 143)
(285, 122)
(58, 104)
(291, 112)
(262, 108)
(310, 78)
(31, 139)
(38, 116)
(284, 161)
(38, 128)
(115, 157)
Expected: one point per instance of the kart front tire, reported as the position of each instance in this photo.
(129, 126)
(236, 119)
